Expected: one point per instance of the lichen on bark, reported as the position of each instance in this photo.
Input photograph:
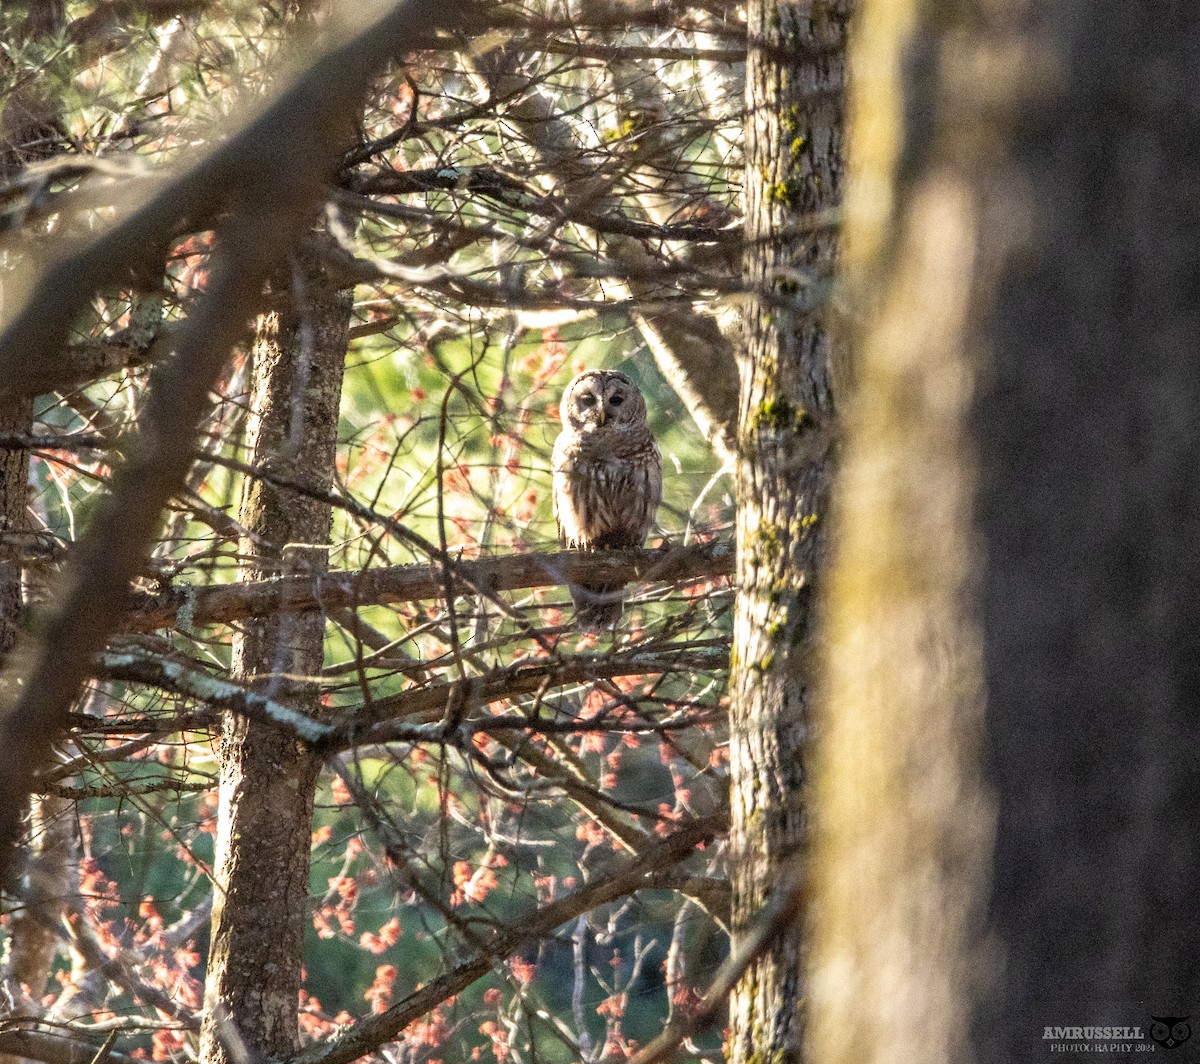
(783, 474)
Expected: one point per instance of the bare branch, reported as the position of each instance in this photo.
(53, 1048)
(368, 1035)
(272, 168)
(263, 159)
(487, 181)
(377, 722)
(784, 908)
(415, 715)
(190, 607)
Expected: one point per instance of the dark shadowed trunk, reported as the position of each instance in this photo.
(793, 167)
(1016, 598)
(1090, 507)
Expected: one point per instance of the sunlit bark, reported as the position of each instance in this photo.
(268, 778)
(784, 468)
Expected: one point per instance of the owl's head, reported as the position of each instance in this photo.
(600, 400)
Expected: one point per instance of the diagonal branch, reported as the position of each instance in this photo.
(278, 154)
(418, 715)
(785, 906)
(271, 171)
(368, 1035)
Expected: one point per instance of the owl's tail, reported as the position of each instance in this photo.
(597, 606)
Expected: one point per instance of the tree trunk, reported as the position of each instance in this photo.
(785, 432)
(268, 779)
(1008, 744)
(14, 480)
(34, 923)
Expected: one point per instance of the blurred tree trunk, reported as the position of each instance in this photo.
(268, 779)
(1008, 745)
(28, 131)
(783, 472)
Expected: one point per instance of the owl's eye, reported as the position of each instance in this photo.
(587, 399)
(616, 400)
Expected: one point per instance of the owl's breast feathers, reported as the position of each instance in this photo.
(606, 490)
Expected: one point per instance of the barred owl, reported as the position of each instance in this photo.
(607, 480)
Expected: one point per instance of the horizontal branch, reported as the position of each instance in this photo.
(191, 606)
(367, 1035)
(487, 181)
(84, 362)
(53, 1048)
(634, 52)
(123, 789)
(416, 716)
(453, 700)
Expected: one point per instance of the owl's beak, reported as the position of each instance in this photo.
(601, 414)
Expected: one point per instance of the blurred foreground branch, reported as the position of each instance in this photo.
(272, 172)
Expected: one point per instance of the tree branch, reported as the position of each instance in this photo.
(416, 715)
(190, 607)
(784, 908)
(271, 171)
(690, 349)
(380, 721)
(298, 127)
(53, 1048)
(487, 181)
(367, 1035)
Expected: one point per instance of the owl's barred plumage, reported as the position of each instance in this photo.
(607, 480)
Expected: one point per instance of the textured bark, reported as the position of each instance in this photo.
(33, 925)
(228, 603)
(1008, 755)
(31, 943)
(14, 479)
(268, 779)
(785, 432)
